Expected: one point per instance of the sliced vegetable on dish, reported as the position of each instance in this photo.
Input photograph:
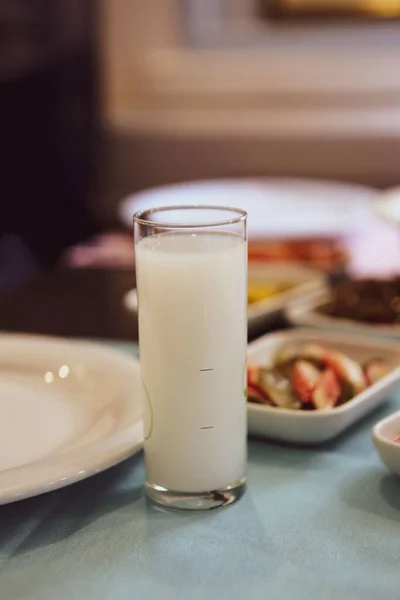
(328, 391)
(304, 378)
(312, 377)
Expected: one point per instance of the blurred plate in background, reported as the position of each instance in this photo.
(277, 208)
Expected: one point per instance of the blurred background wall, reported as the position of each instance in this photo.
(215, 88)
(49, 120)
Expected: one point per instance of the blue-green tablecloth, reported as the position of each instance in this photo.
(314, 524)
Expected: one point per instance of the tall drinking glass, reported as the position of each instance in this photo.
(191, 269)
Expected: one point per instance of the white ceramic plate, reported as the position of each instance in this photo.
(314, 427)
(265, 313)
(387, 206)
(68, 410)
(304, 313)
(384, 435)
(276, 207)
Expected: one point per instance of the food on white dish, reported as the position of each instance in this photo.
(375, 301)
(329, 254)
(317, 426)
(313, 377)
(257, 291)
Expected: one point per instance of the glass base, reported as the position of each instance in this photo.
(195, 501)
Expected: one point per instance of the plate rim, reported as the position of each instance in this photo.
(79, 463)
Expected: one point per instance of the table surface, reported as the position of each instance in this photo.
(315, 523)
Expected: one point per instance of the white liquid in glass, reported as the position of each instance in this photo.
(193, 338)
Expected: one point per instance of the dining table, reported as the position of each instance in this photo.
(316, 522)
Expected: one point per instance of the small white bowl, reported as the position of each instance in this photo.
(384, 433)
(313, 427)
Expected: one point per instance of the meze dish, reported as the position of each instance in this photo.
(312, 377)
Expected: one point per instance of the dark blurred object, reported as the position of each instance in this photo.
(376, 9)
(111, 250)
(85, 303)
(14, 253)
(48, 121)
(72, 303)
(366, 300)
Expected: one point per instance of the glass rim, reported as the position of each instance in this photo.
(138, 217)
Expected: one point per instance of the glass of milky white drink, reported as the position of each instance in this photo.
(191, 270)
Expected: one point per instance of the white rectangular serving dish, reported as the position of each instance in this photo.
(313, 427)
(266, 313)
(305, 314)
